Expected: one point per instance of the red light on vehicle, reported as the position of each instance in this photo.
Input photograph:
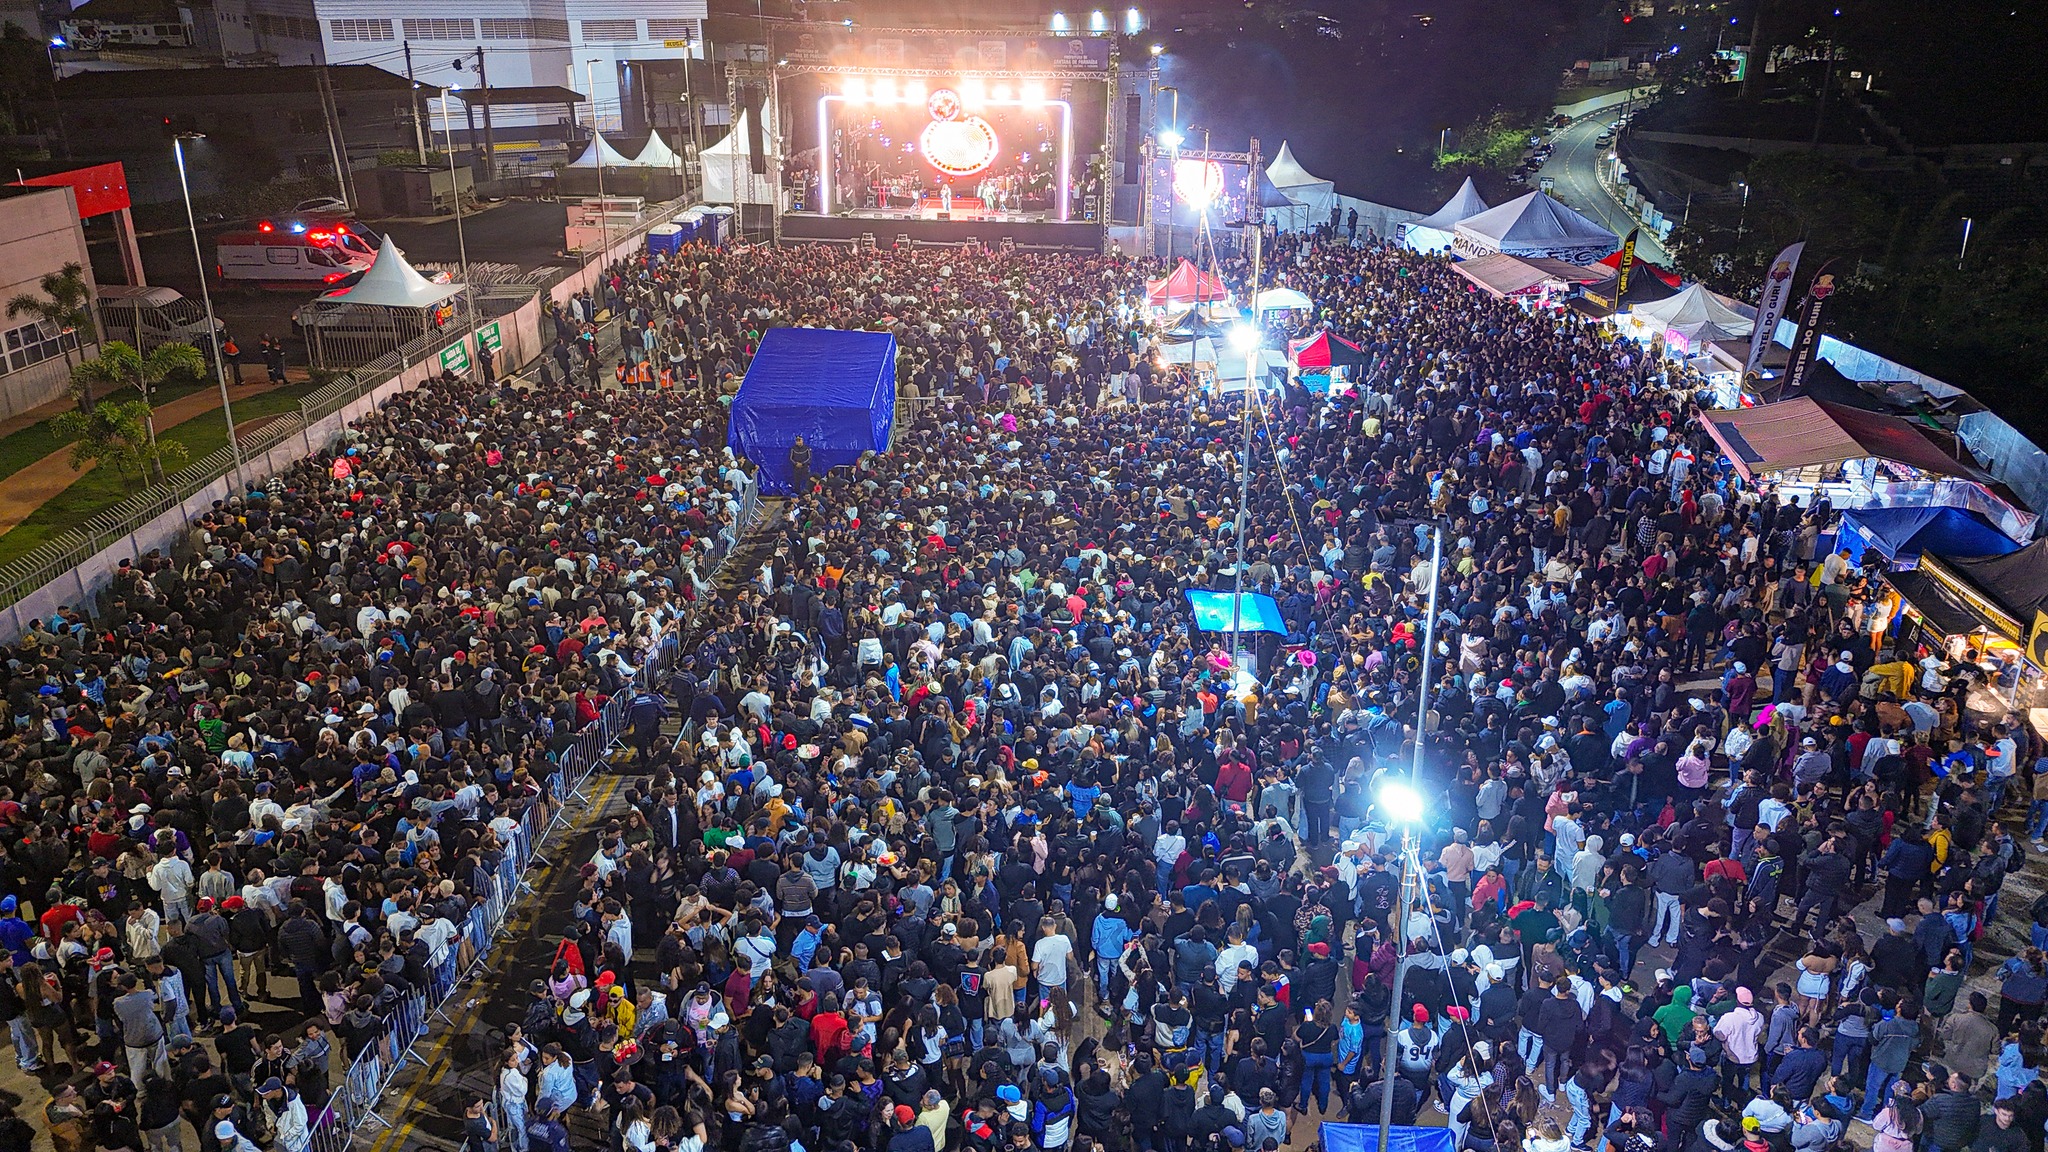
(266, 226)
(318, 237)
(331, 277)
(341, 229)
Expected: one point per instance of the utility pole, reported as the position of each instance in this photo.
(490, 143)
(1750, 64)
(419, 138)
(336, 146)
(1827, 84)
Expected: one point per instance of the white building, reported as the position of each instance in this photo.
(526, 44)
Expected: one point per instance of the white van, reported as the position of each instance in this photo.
(147, 317)
(321, 257)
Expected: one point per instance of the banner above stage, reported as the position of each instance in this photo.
(829, 46)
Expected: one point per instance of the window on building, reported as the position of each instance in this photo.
(34, 343)
(672, 30)
(610, 31)
(523, 28)
(440, 28)
(361, 30)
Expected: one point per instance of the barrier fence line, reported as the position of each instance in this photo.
(68, 552)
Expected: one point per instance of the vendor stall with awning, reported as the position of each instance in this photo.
(1502, 276)
(1803, 433)
(1902, 534)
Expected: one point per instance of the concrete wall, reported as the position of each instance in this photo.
(1594, 104)
(39, 234)
(1756, 147)
(521, 335)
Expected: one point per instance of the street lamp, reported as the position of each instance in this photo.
(1966, 244)
(461, 242)
(220, 370)
(1742, 219)
(604, 222)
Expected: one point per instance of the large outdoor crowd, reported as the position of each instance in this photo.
(946, 830)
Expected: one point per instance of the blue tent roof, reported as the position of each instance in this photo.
(836, 389)
(1900, 535)
(1366, 1138)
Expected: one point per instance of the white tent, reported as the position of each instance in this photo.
(1275, 299)
(600, 152)
(1533, 225)
(1693, 318)
(392, 283)
(657, 154)
(728, 167)
(1432, 233)
(1313, 194)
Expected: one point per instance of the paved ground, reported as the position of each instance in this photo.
(1573, 168)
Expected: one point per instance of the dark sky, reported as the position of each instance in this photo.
(1361, 89)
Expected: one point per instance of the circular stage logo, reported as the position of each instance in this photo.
(954, 144)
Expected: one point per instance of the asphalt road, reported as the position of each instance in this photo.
(1572, 168)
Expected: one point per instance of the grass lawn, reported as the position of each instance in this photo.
(101, 487)
(22, 448)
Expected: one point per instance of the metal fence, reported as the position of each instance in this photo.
(69, 551)
(355, 1102)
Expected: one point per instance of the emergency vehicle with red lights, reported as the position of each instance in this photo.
(291, 253)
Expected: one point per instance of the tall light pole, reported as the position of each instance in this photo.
(1742, 219)
(461, 242)
(604, 222)
(1401, 805)
(1966, 244)
(1170, 136)
(220, 369)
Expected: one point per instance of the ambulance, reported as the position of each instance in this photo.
(316, 253)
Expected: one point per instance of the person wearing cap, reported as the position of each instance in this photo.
(288, 1114)
(906, 1134)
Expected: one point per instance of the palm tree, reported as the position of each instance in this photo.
(119, 364)
(67, 303)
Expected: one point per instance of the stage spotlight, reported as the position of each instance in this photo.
(1059, 22)
(1400, 803)
(1032, 93)
(914, 92)
(1098, 21)
(999, 93)
(885, 90)
(854, 88)
(1134, 21)
(1170, 139)
(972, 91)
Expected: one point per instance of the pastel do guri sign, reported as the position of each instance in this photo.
(955, 143)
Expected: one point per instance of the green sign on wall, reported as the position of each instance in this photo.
(455, 357)
(487, 337)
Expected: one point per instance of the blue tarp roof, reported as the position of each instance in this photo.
(1212, 612)
(1366, 1138)
(836, 389)
(1900, 535)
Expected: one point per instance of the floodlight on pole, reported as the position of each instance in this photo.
(1244, 337)
(1400, 802)
(1170, 139)
(220, 371)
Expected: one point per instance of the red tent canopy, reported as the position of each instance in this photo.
(1186, 284)
(1322, 351)
(1612, 262)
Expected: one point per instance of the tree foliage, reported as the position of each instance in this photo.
(117, 433)
(66, 302)
(1493, 142)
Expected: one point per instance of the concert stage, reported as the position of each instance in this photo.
(886, 226)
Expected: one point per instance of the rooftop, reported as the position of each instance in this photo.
(176, 82)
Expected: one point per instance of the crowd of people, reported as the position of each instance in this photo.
(960, 836)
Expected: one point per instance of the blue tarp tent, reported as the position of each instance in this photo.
(1366, 1138)
(835, 389)
(1212, 612)
(1900, 535)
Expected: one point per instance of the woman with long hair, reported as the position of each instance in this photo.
(42, 998)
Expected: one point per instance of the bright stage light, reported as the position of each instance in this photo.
(972, 92)
(1168, 138)
(1197, 182)
(999, 93)
(1134, 21)
(1244, 337)
(1032, 93)
(1158, 49)
(1098, 21)
(914, 92)
(885, 90)
(1059, 22)
(1400, 803)
(854, 88)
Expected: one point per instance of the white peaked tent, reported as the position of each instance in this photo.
(1533, 225)
(390, 306)
(657, 154)
(1693, 318)
(728, 167)
(1312, 194)
(1432, 233)
(602, 153)
(392, 283)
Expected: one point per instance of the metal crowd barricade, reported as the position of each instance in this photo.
(355, 1103)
